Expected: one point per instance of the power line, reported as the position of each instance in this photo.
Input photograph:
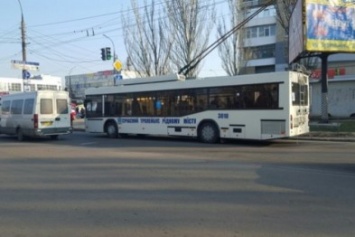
(108, 26)
(112, 21)
(70, 21)
(101, 30)
(193, 63)
(92, 17)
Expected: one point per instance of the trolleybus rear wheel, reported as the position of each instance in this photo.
(208, 133)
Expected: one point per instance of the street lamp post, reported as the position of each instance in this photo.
(113, 58)
(70, 88)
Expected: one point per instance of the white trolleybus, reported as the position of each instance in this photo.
(259, 107)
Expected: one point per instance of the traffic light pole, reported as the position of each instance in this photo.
(113, 58)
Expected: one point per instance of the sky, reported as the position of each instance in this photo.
(65, 36)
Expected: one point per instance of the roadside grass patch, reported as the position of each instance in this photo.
(346, 126)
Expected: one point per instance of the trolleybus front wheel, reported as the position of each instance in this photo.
(112, 130)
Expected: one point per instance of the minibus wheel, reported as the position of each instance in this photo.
(19, 135)
(208, 133)
(111, 130)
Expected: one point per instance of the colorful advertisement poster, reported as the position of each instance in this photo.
(330, 25)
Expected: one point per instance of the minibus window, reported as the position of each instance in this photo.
(6, 107)
(28, 109)
(62, 106)
(16, 107)
(46, 106)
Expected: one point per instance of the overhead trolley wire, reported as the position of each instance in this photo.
(193, 63)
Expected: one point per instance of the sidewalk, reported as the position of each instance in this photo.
(79, 125)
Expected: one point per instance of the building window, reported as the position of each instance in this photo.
(46, 87)
(268, 12)
(260, 31)
(252, 32)
(15, 87)
(265, 51)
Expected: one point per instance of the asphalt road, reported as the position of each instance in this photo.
(89, 185)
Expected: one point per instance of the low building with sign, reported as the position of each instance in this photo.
(76, 84)
(42, 82)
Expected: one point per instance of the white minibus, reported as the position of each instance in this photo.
(35, 114)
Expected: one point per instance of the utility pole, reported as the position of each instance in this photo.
(23, 43)
(324, 81)
(69, 87)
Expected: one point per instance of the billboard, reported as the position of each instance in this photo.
(296, 32)
(330, 25)
(322, 26)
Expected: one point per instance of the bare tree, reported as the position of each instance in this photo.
(190, 21)
(284, 10)
(147, 42)
(228, 49)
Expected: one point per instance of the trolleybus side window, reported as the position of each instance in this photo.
(94, 106)
(221, 98)
(200, 101)
(146, 102)
(185, 101)
(132, 104)
(262, 96)
(113, 105)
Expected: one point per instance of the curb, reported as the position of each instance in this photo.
(324, 138)
(79, 126)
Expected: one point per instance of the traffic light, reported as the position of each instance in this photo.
(108, 54)
(103, 54)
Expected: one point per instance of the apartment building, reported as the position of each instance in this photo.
(264, 45)
(263, 41)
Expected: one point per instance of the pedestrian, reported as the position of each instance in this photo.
(82, 113)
